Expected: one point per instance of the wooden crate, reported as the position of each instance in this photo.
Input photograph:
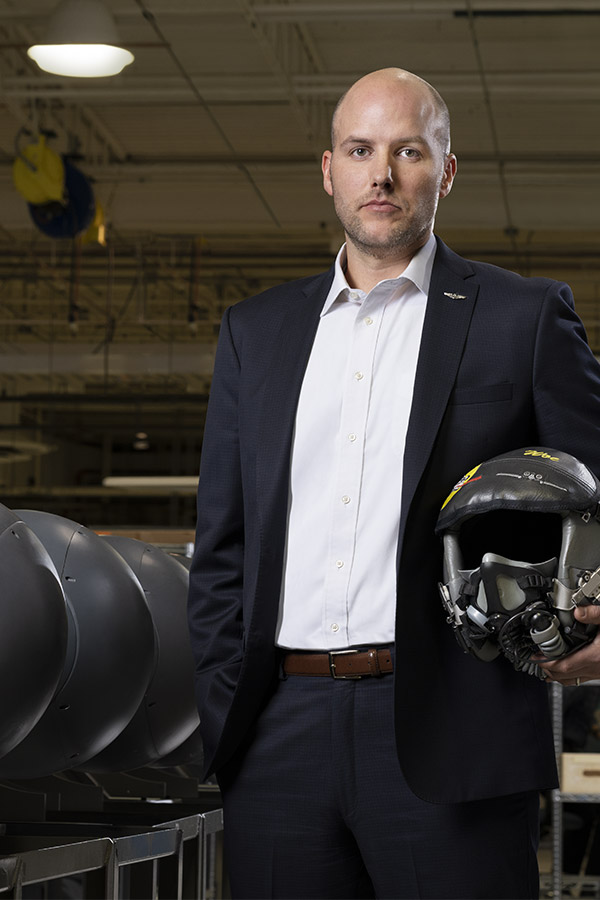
(580, 773)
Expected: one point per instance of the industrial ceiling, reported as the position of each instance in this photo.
(204, 155)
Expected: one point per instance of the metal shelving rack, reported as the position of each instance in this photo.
(558, 798)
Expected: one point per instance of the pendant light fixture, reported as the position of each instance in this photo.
(81, 41)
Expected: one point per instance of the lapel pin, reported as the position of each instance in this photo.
(454, 296)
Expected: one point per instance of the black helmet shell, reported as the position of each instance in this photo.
(531, 479)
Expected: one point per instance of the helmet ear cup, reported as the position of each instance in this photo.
(526, 505)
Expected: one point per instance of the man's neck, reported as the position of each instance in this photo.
(363, 270)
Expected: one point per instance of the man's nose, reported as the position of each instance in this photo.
(382, 176)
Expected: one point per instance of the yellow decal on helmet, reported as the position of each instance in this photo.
(464, 480)
(541, 454)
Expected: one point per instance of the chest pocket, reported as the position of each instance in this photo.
(483, 393)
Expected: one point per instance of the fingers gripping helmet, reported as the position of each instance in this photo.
(521, 536)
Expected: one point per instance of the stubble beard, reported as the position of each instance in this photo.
(405, 236)
(401, 238)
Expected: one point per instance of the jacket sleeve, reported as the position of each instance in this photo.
(216, 575)
(566, 381)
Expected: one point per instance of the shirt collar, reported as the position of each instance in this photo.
(418, 271)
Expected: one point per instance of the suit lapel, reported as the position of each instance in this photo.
(451, 299)
(281, 390)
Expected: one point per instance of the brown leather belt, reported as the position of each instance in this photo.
(339, 663)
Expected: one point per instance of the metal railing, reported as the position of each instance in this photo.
(172, 860)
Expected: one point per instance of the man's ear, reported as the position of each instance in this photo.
(448, 176)
(326, 169)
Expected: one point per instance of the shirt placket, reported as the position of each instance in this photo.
(349, 469)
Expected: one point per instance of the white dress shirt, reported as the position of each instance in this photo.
(339, 580)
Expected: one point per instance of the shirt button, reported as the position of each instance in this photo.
(352, 437)
(368, 320)
(354, 295)
(345, 499)
(335, 627)
(359, 376)
(339, 563)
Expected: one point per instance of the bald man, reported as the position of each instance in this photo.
(359, 752)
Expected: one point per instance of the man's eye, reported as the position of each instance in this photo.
(359, 151)
(409, 153)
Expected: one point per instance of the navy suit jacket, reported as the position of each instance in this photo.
(503, 364)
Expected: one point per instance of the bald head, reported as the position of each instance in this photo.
(384, 79)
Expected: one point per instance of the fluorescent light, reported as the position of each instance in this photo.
(174, 482)
(81, 41)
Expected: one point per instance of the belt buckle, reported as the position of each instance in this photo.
(337, 677)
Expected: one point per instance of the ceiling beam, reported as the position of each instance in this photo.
(298, 88)
(313, 10)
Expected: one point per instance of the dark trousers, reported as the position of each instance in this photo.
(317, 807)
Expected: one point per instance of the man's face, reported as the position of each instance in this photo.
(387, 170)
